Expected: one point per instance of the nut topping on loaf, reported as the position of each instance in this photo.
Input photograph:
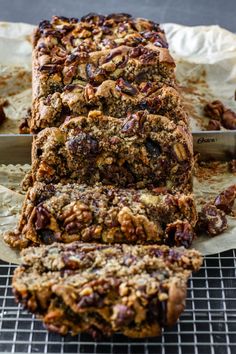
(65, 213)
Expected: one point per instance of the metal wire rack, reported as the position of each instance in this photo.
(207, 326)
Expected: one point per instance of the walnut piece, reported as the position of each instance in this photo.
(76, 216)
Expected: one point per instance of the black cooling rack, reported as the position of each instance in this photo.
(207, 326)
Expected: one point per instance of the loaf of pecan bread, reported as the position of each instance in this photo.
(71, 58)
(65, 213)
(143, 150)
(102, 289)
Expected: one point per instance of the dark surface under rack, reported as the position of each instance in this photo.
(207, 326)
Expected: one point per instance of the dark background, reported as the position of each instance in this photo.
(187, 12)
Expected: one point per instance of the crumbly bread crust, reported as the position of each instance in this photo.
(103, 289)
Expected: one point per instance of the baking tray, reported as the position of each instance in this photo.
(207, 326)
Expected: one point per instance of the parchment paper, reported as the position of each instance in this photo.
(206, 67)
(15, 73)
(206, 70)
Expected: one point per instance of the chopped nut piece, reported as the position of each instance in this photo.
(2, 115)
(89, 92)
(232, 166)
(225, 200)
(214, 110)
(229, 119)
(179, 233)
(213, 125)
(211, 220)
(126, 87)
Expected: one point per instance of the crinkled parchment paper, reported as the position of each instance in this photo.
(15, 73)
(206, 70)
(206, 67)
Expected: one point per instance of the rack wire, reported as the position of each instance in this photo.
(207, 326)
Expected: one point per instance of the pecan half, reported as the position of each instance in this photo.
(113, 54)
(138, 227)
(126, 87)
(160, 42)
(225, 200)
(93, 18)
(136, 52)
(155, 38)
(211, 220)
(134, 123)
(69, 72)
(119, 17)
(148, 57)
(51, 68)
(89, 92)
(214, 109)
(180, 152)
(95, 75)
